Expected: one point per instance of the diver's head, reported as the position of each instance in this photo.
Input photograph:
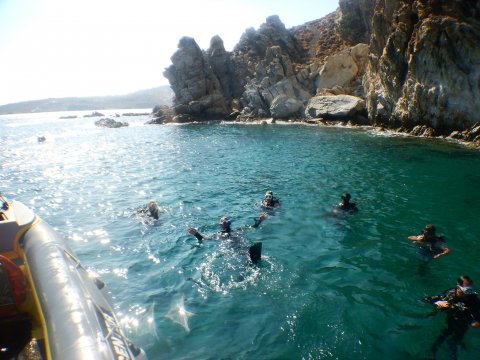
(465, 280)
(429, 230)
(269, 195)
(153, 209)
(346, 197)
(225, 223)
(464, 291)
(465, 286)
(152, 205)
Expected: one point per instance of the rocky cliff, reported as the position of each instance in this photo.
(424, 66)
(409, 65)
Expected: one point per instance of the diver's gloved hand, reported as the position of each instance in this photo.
(192, 230)
(442, 304)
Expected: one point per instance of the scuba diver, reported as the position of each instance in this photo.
(151, 210)
(255, 251)
(433, 243)
(345, 205)
(463, 310)
(270, 202)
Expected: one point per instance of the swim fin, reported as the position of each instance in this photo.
(255, 252)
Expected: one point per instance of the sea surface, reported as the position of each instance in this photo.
(328, 287)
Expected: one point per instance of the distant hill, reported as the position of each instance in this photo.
(138, 100)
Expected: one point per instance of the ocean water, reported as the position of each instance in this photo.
(328, 287)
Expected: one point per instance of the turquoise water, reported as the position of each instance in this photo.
(327, 287)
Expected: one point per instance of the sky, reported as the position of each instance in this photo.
(63, 48)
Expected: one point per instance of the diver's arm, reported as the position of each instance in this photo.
(446, 250)
(258, 220)
(195, 233)
(416, 237)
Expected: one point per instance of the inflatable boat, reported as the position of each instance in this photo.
(50, 306)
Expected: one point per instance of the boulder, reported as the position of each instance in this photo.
(283, 107)
(339, 107)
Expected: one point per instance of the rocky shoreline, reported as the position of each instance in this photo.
(402, 65)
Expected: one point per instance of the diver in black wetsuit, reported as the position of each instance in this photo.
(346, 205)
(255, 250)
(270, 202)
(434, 244)
(153, 209)
(150, 211)
(463, 310)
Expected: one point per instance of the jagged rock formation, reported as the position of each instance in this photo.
(424, 64)
(272, 72)
(196, 86)
(419, 72)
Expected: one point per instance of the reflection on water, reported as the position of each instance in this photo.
(327, 287)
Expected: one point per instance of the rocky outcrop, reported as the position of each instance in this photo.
(110, 123)
(272, 72)
(423, 67)
(197, 89)
(162, 114)
(94, 114)
(470, 135)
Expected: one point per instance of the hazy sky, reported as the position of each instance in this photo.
(61, 48)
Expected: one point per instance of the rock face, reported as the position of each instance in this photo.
(355, 25)
(423, 67)
(344, 69)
